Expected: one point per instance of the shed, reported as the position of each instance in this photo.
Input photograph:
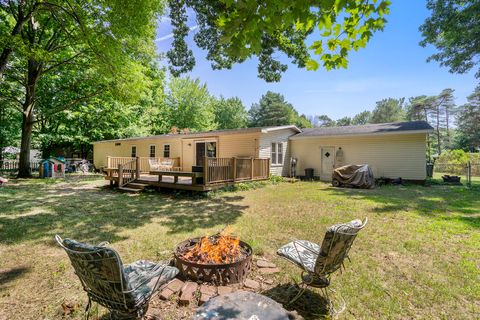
(52, 168)
(393, 150)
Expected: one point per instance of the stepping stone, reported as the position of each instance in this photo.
(265, 264)
(171, 288)
(251, 284)
(224, 290)
(188, 292)
(268, 281)
(269, 270)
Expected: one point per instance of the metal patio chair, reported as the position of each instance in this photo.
(123, 289)
(320, 262)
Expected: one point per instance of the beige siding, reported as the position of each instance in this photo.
(238, 145)
(103, 149)
(393, 156)
(265, 145)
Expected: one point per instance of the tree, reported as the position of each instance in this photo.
(323, 121)
(9, 123)
(301, 120)
(345, 121)
(189, 105)
(271, 110)
(230, 113)
(89, 41)
(468, 122)
(233, 31)
(363, 117)
(388, 110)
(453, 29)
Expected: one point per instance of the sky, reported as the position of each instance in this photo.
(392, 65)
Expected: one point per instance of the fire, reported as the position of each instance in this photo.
(220, 248)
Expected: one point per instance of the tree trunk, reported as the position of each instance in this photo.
(34, 70)
(24, 170)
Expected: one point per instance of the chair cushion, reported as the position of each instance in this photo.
(142, 276)
(301, 252)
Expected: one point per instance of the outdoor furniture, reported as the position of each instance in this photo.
(163, 165)
(241, 305)
(124, 289)
(319, 262)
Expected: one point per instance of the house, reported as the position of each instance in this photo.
(190, 149)
(392, 149)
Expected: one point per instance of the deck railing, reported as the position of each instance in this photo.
(144, 165)
(127, 172)
(221, 170)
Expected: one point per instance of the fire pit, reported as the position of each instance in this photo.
(220, 259)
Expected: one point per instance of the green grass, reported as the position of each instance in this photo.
(418, 257)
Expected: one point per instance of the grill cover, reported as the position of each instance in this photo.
(354, 175)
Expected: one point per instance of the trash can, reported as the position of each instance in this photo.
(429, 170)
(309, 173)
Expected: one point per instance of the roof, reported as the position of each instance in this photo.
(212, 133)
(367, 129)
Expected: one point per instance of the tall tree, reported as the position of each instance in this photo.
(230, 113)
(388, 110)
(454, 29)
(468, 122)
(323, 121)
(91, 38)
(189, 105)
(271, 110)
(233, 31)
(345, 121)
(363, 117)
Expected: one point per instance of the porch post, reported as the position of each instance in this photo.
(108, 161)
(120, 174)
(234, 164)
(251, 169)
(137, 168)
(205, 170)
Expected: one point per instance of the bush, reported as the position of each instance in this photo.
(453, 157)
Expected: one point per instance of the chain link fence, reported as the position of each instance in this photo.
(468, 172)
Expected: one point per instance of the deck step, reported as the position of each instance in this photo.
(130, 189)
(136, 185)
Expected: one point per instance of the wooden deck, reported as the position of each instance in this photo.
(218, 173)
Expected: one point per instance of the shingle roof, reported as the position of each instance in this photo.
(210, 133)
(376, 128)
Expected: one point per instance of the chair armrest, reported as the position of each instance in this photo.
(103, 244)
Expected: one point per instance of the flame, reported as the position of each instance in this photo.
(220, 248)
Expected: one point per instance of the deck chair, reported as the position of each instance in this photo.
(317, 262)
(154, 165)
(123, 289)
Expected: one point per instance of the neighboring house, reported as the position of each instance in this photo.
(391, 149)
(191, 148)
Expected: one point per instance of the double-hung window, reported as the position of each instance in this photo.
(134, 152)
(152, 151)
(166, 151)
(277, 153)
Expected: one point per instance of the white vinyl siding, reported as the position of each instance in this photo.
(265, 150)
(391, 156)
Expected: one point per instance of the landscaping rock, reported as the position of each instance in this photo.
(269, 270)
(251, 284)
(208, 290)
(268, 281)
(224, 290)
(188, 292)
(265, 264)
(175, 285)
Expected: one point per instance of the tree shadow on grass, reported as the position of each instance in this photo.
(8, 275)
(96, 214)
(311, 305)
(449, 203)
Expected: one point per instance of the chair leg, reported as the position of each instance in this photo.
(303, 287)
(332, 309)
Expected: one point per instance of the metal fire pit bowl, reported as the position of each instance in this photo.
(219, 274)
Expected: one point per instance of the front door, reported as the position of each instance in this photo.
(328, 162)
(199, 153)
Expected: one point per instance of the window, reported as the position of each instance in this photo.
(277, 153)
(134, 152)
(152, 151)
(166, 151)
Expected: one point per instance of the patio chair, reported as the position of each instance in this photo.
(320, 262)
(154, 165)
(123, 289)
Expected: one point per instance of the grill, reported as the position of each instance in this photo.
(219, 274)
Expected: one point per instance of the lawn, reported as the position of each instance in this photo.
(418, 257)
